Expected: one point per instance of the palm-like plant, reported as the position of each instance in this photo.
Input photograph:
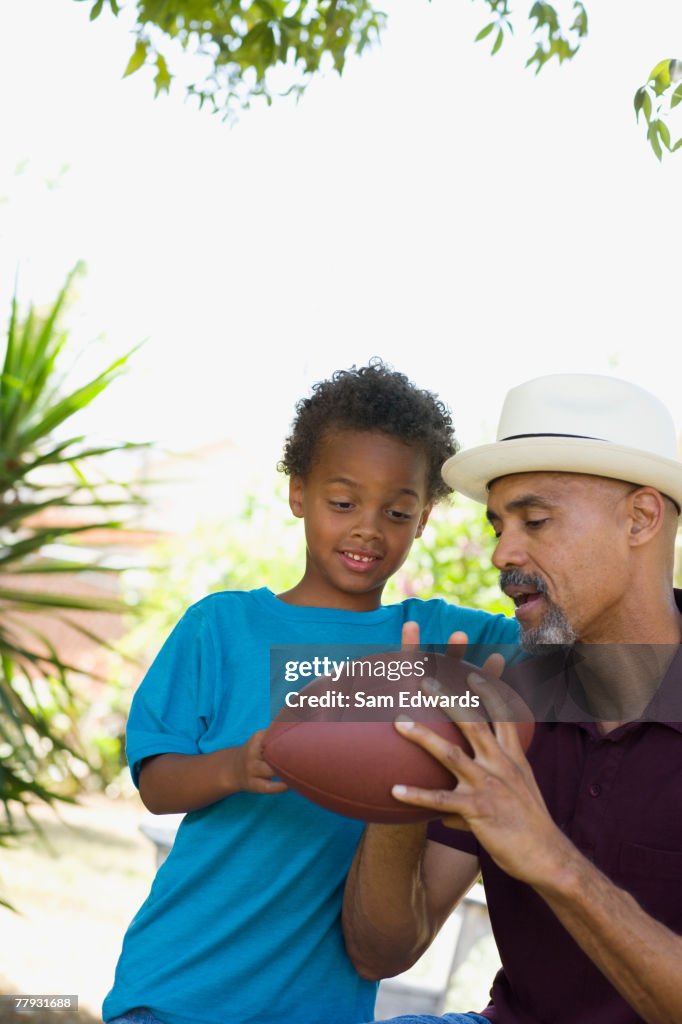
(53, 488)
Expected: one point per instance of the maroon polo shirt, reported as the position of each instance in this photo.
(618, 798)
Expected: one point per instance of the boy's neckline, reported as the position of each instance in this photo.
(285, 608)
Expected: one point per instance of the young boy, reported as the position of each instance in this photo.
(242, 923)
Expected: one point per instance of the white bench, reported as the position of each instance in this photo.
(422, 989)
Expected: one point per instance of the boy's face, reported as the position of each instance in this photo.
(363, 503)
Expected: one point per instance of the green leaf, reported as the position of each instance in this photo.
(162, 78)
(485, 31)
(664, 133)
(677, 145)
(652, 136)
(643, 103)
(639, 100)
(676, 97)
(138, 58)
(66, 407)
(25, 598)
(660, 76)
(646, 106)
(96, 10)
(580, 24)
(498, 42)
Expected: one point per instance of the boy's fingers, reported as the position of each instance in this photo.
(268, 786)
(261, 769)
(410, 634)
(457, 644)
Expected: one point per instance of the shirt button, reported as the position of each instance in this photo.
(595, 789)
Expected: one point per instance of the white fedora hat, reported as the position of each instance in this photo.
(576, 423)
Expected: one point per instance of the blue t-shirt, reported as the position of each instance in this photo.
(243, 921)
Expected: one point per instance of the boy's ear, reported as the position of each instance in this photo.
(423, 519)
(296, 488)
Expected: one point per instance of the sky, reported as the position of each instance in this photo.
(471, 223)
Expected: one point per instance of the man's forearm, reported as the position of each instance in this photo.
(641, 957)
(385, 919)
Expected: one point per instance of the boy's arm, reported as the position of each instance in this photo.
(400, 889)
(173, 783)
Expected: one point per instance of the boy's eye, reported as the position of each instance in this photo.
(342, 505)
(394, 513)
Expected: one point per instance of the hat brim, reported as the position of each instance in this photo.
(470, 471)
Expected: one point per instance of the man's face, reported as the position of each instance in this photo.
(562, 554)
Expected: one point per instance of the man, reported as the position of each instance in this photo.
(580, 843)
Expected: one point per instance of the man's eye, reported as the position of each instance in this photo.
(534, 524)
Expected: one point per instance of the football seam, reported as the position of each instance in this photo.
(341, 799)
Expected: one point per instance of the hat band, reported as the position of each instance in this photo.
(578, 437)
(581, 437)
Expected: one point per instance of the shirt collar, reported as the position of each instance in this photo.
(552, 690)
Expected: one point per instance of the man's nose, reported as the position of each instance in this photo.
(509, 551)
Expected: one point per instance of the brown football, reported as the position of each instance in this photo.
(338, 746)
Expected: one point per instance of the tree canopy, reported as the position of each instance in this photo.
(261, 48)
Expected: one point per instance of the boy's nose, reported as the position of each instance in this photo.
(367, 525)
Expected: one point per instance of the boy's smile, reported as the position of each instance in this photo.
(363, 503)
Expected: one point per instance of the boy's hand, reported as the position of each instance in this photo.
(253, 773)
(457, 645)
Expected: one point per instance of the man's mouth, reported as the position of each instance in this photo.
(525, 593)
(544, 626)
(522, 597)
(526, 604)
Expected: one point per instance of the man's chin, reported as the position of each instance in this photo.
(552, 634)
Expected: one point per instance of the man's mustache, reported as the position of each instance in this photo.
(516, 578)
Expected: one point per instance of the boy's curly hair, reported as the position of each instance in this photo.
(373, 397)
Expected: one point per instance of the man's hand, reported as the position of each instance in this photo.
(496, 796)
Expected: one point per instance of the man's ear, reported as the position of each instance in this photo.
(296, 490)
(423, 519)
(647, 514)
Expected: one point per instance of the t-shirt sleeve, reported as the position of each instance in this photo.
(173, 705)
(457, 838)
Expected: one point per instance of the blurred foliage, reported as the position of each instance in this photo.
(452, 560)
(53, 489)
(659, 95)
(247, 46)
(243, 41)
